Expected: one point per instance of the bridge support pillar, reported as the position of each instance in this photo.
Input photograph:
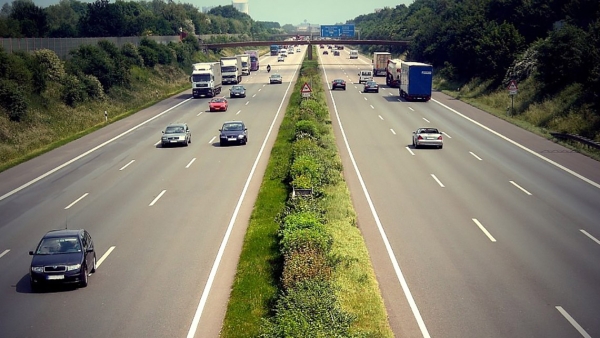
(310, 51)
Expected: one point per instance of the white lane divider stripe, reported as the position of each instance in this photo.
(448, 136)
(408, 107)
(426, 120)
(573, 322)
(482, 228)
(4, 253)
(189, 164)
(582, 231)
(104, 256)
(77, 200)
(477, 157)
(522, 189)
(381, 118)
(157, 198)
(437, 180)
(127, 165)
(410, 151)
(212, 139)
(393, 132)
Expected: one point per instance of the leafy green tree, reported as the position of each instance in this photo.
(63, 19)
(12, 100)
(32, 19)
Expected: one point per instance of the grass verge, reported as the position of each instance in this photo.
(257, 281)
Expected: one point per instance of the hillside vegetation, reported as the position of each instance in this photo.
(550, 47)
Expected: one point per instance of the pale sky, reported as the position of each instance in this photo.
(324, 12)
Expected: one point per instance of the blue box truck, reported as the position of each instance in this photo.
(416, 81)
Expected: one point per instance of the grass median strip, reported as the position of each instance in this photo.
(272, 291)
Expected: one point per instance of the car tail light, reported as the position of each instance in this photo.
(420, 137)
(440, 137)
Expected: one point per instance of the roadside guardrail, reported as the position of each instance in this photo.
(588, 142)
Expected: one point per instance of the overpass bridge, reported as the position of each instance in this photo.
(310, 43)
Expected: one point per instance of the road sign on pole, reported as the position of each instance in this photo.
(306, 90)
(512, 88)
(337, 31)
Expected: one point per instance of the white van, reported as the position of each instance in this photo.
(365, 75)
(354, 54)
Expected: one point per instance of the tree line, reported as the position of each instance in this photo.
(102, 18)
(556, 41)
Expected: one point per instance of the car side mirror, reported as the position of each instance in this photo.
(30, 253)
(220, 129)
(89, 250)
(163, 131)
(414, 132)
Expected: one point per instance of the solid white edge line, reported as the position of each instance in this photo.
(482, 228)
(157, 197)
(410, 151)
(438, 181)
(573, 322)
(581, 177)
(477, 157)
(75, 201)
(4, 253)
(127, 165)
(583, 231)
(98, 262)
(388, 247)
(217, 262)
(520, 187)
(189, 164)
(89, 151)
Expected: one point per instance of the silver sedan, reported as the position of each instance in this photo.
(427, 137)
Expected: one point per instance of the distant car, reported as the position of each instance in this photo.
(325, 52)
(283, 53)
(237, 91)
(218, 103)
(329, 47)
(371, 86)
(280, 58)
(275, 78)
(338, 83)
(233, 132)
(291, 51)
(176, 133)
(298, 50)
(321, 46)
(427, 137)
(336, 53)
(62, 256)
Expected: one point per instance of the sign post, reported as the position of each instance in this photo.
(306, 90)
(512, 91)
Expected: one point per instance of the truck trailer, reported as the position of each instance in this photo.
(380, 63)
(393, 71)
(254, 63)
(231, 68)
(416, 81)
(206, 79)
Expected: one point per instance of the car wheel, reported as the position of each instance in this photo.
(221, 143)
(94, 264)
(377, 91)
(163, 145)
(84, 278)
(186, 143)
(440, 147)
(344, 88)
(190, 141)
(35, 287)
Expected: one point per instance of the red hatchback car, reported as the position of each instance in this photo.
(218, 103)
(338, 83)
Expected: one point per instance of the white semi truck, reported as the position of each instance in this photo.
(231, 69)
(394, 69)
(206, 79)
(245, 64)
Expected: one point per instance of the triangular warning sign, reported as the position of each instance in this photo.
(512, 85)
(306, 88)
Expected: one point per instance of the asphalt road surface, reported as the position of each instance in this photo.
(495, 235)
(167, 223)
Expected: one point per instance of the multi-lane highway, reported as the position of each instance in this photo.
(167, 222)
(495, 235)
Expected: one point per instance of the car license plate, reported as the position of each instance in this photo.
(431, 138)
(56, 277)
(173, 141)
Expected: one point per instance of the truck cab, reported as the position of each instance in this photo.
(354, 54)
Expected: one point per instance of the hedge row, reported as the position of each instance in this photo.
(307, 305)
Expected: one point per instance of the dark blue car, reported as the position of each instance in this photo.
(63, 257)
(233, 132)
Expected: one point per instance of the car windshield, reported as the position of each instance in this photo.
(59, 245)
(429, 131)
(218, 100)
(201, 78)
(371, 83)
(276, 75)
(338, 80)
(233, 127)
(174, 130)
(237, 88)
